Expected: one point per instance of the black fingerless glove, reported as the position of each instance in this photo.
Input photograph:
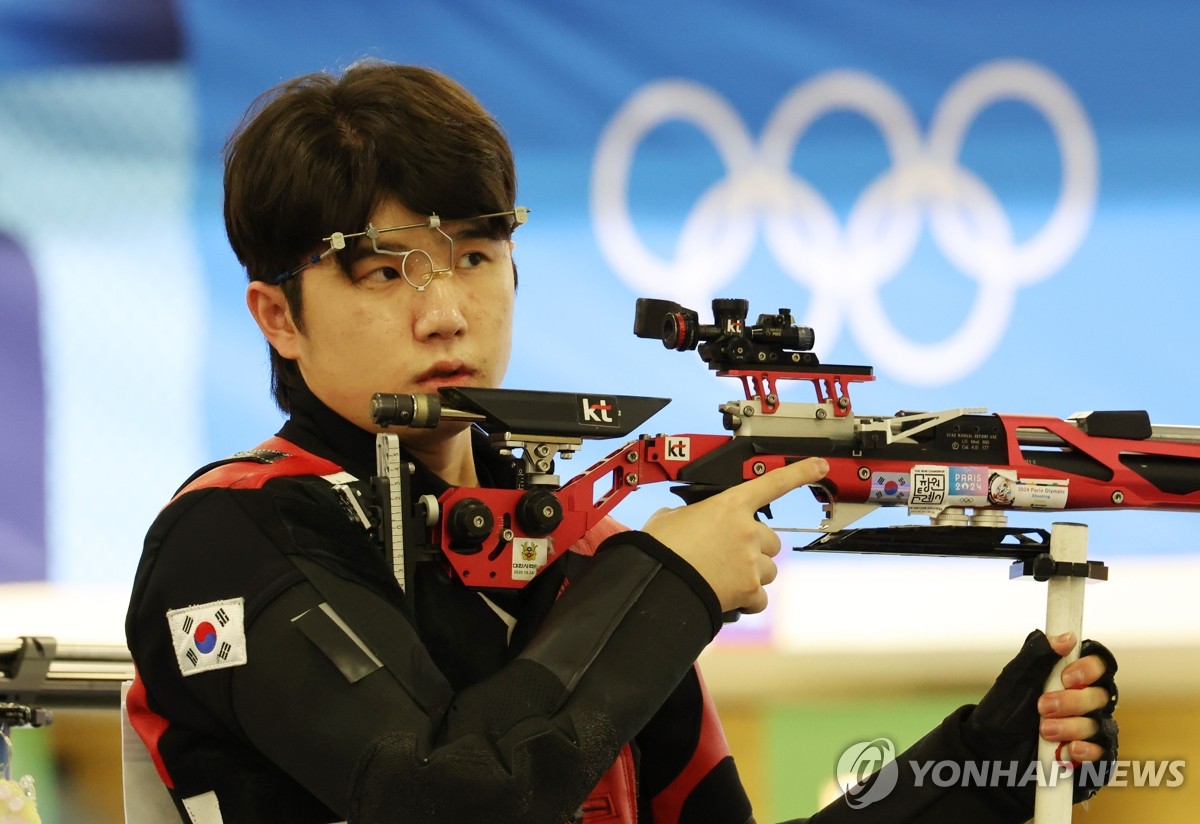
(1089, 782)
(1003, 727)
(1001, 730)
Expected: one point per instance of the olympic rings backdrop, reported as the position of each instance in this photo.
(996, 205)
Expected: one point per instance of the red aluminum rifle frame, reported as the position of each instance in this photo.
(1112, 480)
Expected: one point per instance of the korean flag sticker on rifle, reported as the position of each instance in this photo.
(209, 636)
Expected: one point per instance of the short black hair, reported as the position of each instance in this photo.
(318, 153)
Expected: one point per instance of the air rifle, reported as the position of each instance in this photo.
(965, 469)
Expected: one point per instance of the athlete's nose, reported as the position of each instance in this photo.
(438, 310)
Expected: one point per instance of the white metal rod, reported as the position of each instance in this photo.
(1064, 613)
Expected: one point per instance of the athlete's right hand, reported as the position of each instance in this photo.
(725, 543)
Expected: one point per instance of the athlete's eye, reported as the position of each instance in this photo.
(479, 252)
(471, 260)
(378, 276)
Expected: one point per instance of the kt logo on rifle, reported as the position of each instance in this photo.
(599, 411)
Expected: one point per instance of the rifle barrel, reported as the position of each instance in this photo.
(1159, 432)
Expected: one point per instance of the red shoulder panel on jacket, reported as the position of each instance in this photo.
(273, 458)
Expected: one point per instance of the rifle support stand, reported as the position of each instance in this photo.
(1059, 558)
(1064, 613)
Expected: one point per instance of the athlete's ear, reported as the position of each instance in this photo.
(270, 310)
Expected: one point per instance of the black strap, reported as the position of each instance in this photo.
(369, 617)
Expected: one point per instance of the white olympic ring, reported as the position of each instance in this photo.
(845, 265)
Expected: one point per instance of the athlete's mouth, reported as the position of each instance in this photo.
(446, 373)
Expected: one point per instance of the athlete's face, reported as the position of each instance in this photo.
(375, 332)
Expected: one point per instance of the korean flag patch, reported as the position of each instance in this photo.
(209, 636)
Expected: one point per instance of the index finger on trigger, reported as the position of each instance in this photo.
(760, 491)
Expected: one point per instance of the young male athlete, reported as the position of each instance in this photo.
(284, 676)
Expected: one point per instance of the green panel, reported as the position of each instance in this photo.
(32, 756)
(805, 740)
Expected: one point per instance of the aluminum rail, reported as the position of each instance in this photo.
(39, 670)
